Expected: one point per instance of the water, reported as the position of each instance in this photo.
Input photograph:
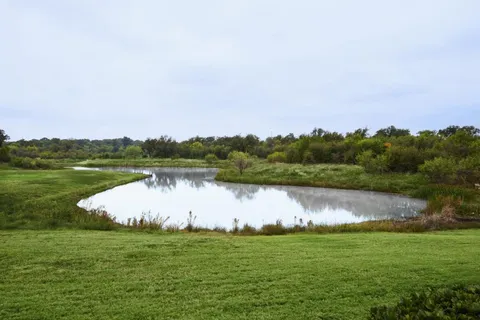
(173, 192)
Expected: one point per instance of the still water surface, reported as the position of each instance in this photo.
(173, 192)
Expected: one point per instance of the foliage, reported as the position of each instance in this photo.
(240, 160)
(29, 163)
(211, 158)
(4, 154)
(392, 132)
(133, 152)
(277, 157)
(404, 151)
(3, 137)
(458, 302)
(440, 170)
(371, 163)
(404, 159)
(469, 170)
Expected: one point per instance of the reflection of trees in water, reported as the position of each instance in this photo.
(166, 180)
(241, 191)
(313, 200)
(359, 203)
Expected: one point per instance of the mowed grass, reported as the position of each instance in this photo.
(131, 275)
(324, 175)
(38, 198)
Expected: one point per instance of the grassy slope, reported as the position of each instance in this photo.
(38, 198)
(123, 275)
(324, 175)
(177, 163)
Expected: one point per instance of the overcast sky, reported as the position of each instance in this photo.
(144, 68)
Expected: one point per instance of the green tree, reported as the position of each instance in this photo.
(3, 137)
(133, 152)
(277, 157)
(240, 160)
(440, 170)
(392, 131)
(211, 158)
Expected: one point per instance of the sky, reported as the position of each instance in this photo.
(144, 68)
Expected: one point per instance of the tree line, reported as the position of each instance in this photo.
(389, 149)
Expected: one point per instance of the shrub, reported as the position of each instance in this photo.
(458, 302)
(248, 229)
(372, 164)
(211, 158)
(29, 163)
(469, 170)
(440, 170)
(404, 159)
(240, 160)
(293, 155)
(133, 152)
(277, 157)
(4, 154)
(176, 156)
(308, 158)
(274, 229)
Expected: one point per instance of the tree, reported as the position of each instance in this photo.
(451, 130)
(133, 152)
(126, 141)
(3, 137)
(240, 160)
(392, 132)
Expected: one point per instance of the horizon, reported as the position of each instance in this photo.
(146, 68)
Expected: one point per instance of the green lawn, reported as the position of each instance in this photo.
(42, 198)
(132, 275)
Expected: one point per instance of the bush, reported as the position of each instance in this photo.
(4, 154)
(176, 156)
(29, 163)
(293, 155)
(469, 170)
(405, 159)
(440, 170)
(211, 158)
(240, 160)
(308, 158)
(445, 303)
(372, 164)
(133, 152)
(277, 157)
(274, 229)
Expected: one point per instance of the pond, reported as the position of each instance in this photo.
(174, 192)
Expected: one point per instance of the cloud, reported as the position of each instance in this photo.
(145, 68)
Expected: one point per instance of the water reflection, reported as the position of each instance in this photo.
(175, 191)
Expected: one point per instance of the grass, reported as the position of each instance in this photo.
(324, 175)
(47, 198)
(149, 162)
(68, 274)
(352, 177)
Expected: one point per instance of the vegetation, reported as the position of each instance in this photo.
(127, 275)
(240, 160)
(324, 175)
(47, 199)
(459, 302)
(396, 149)
(211, 158)
(147, 162)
